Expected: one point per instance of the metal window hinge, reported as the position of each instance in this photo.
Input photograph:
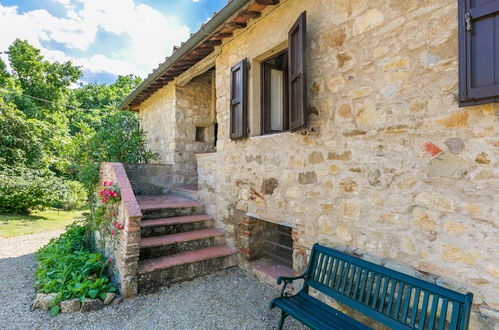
(467, 22)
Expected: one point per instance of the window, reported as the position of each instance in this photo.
(275, 94)
(478, 51)
(285, 89)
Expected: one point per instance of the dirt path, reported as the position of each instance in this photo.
(25, 244)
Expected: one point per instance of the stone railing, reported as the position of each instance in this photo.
(126, 251)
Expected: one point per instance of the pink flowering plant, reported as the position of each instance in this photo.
(105, 219)
(110, 193)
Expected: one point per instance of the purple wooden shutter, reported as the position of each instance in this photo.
(478, 51)
(297, 74)
(238, 100)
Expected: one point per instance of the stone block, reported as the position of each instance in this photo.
(455, 145)
(43, 301)
(91, 305)
(70, 306)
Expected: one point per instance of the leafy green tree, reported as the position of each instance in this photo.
(51, 134)
(21, 139)
(43, 80)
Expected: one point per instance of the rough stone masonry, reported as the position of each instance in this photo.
(389, 168)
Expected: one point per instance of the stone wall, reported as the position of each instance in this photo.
(390, 167)
(150, 179)
(125, 254)
(170, 117)
(193, 109)
(157, 118)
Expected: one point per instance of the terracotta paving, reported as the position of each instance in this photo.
(272, 268)
(180, 237)
(184, 258)
(174, 220)
(165, 201)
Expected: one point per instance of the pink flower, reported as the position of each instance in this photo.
(114, 215)
(102, 193)
(112, 232)
(109, 259)
(110, 183)
(115, 194)
(115, 224)
(105, 183)
(120, 226)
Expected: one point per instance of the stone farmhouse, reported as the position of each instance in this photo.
(367, 126)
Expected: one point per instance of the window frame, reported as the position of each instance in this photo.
(265, 109)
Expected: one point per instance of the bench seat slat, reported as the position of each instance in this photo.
(433, 314)
(443, 314)
(376, 294)
(303, 306)
(415, 306)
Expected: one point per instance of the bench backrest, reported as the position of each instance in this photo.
(395, 299)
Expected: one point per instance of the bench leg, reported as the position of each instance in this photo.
(281, 322)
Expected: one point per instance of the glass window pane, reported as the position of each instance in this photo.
(276, 100)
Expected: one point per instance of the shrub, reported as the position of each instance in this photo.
(23, 190)
(71, 195)
(67, 267)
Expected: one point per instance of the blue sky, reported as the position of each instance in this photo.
(106, 37)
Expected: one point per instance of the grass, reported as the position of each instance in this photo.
(39, 221)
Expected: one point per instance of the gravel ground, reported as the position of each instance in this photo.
(229, 299)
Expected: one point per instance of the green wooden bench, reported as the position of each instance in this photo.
(394, 299)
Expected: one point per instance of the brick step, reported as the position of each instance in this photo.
(173, 225)
(167, 205)
(190, 191)
(156, 246)
(165, 201)
(156, 272)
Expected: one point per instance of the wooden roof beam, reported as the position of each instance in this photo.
(236, 25)
(250, 14)
(267, 2)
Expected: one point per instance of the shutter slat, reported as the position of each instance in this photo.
(238, 100)
(478, 52)
(297, 74)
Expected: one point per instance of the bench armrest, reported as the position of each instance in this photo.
(286, 280)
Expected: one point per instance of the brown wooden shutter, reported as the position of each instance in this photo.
(238, 100)
(478, 51)
(297, 74)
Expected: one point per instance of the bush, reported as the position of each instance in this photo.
(71, 195)
(67, 267)
(23, 190)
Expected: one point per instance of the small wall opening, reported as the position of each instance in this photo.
(278, 243)
(201, 134)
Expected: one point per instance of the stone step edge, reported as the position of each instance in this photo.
(189, 257)
(153, 241)
(182, 205)
(180, 220)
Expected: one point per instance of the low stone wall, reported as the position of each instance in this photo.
(150, 179)
(126, 253)
(207, 166)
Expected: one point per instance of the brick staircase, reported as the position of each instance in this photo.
(178, 241)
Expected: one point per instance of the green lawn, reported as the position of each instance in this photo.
(51, 219)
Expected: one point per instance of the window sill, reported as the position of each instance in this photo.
(268, 135)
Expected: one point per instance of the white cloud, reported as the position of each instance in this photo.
(149, 35)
